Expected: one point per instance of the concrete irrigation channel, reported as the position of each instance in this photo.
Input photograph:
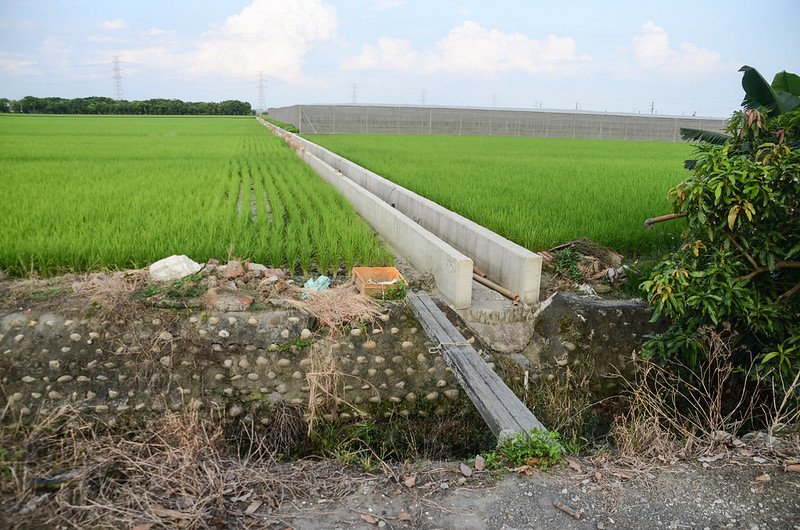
(459, 254)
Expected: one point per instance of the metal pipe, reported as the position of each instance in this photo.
(502, 290)
(661, 218)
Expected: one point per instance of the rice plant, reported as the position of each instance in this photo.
(538, 192)
(82, 193)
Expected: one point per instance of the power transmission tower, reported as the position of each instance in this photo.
(354, 92)
(117, 78)
(424, 96)
(262, 92)
(652, 107)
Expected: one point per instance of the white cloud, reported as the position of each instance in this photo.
(386, 5)
(269, 36)
(13, 64)
(272, 36)
(653, 51)
(114, 24)
(389, 54)
(470, 49)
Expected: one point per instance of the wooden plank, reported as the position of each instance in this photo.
(502, 402)
(505, 402)
(500, 408)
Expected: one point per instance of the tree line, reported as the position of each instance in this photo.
(103, 105)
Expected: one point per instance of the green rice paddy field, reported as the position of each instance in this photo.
(538, 192)
(82, 193)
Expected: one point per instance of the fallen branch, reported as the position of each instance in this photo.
(567, 510)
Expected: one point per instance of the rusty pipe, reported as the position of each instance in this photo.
(514, 297)
(648, 223)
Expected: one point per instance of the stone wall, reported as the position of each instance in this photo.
(241, 362)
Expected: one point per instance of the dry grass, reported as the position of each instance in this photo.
(326, 386)
(689, 415)
(339, 307)
(174, 473)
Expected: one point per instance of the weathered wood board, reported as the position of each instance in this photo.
(500, 408)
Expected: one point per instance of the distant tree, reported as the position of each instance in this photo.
(103, 105)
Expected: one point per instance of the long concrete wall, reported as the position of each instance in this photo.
(451, 269)
(504, 261)
(383, 119)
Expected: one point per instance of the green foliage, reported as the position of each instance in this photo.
(395, 291)
(285, 126)
(188, 287)
(567, 264)
(537, 192)
(542, 448)
(294, 344)
(103, 105)
(740, 259)
(8, 458)
(81, 193)
(145, 291)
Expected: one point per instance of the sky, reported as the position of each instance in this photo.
(670, 57)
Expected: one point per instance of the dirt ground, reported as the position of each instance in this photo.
(684, 495)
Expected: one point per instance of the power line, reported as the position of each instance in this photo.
(117, 78)
(262, 92)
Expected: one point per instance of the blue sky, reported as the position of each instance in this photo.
(615, 56)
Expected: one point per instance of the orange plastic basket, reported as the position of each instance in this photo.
(373, 281)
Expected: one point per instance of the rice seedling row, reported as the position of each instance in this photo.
(538, 192)
(82, 193)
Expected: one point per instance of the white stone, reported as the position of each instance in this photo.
(394, 331)
(407, 344)
(224, 333)
(75, 336)
(28, 379)
(64, 379)
(166, 360)
(305, 334)
(54, 365)
(113, 394)
(173, 268)
(165, 336)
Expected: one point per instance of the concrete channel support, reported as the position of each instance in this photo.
(451, 269)
(505, 262)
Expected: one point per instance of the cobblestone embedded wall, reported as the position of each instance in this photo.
(242, 362)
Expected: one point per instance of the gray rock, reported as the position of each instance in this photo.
(173, 268)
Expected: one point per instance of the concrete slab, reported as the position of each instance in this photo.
(451, 269)
(505, 262)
